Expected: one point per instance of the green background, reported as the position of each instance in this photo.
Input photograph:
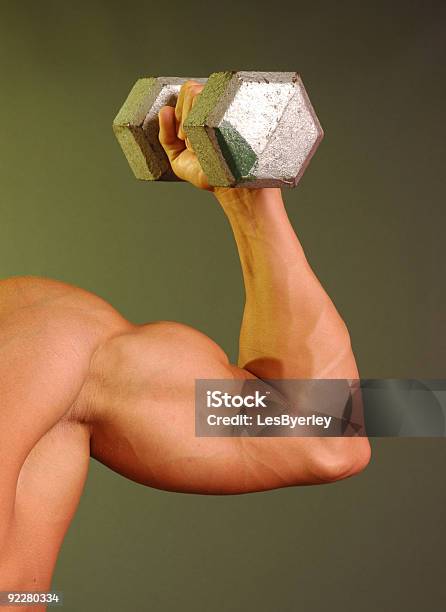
(370, 212)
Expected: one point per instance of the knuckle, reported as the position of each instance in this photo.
(191, 88)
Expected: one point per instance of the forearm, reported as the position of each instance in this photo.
(290, 327)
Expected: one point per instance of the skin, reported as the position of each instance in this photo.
(78, 380)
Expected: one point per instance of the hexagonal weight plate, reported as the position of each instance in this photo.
(254, 129)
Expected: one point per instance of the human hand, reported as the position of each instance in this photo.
(173, 139)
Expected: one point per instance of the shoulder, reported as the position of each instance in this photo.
(49, 332)
(57, 308)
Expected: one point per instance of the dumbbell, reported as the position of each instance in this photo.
(248, 129)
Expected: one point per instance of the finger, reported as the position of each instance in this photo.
(189, 96)
(179, 105)
(168, 138)
(186, 140)
(197, 96)
(187, 102)
(184, 91)
(184, 88)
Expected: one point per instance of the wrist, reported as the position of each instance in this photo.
(251, 203)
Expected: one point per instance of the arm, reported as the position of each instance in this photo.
(290, 327)
(290, 330)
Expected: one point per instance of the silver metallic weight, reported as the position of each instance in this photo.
(261, 126)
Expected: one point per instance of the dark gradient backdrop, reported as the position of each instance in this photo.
(371, 214)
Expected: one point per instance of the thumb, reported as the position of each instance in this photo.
(168, 138)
